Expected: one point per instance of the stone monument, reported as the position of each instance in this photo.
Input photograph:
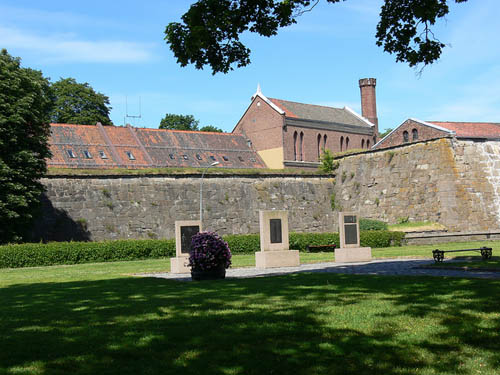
(274, 247)
(350, 249)
(184, 230)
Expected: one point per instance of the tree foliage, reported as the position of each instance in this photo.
(78, 103)
(328, 163)
(185, 122)
(210, 128)
(384, 133)
(25, 103)
(209, 33)
(179, 122)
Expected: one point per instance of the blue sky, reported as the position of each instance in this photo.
(118, 48)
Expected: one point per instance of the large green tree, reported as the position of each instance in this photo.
(79, 103)
(210, 30)
(211, 128)
(185, 122)
(25, 103)
(179, 122)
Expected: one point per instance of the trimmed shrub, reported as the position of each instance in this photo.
(380, 238)
(53, 253)
(299, 241)
(243, 243)
(370, 224)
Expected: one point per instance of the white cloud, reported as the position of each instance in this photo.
(59, 48)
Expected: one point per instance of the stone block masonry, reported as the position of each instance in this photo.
(451, 182)
(147, 207)
(455, 183)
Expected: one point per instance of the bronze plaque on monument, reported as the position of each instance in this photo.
(187, 232)
(350, 230)
(276, 236)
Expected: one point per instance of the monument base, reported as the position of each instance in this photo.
(179, 265)
(277, 258)
(353, 254)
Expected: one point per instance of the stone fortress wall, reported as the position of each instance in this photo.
(147, 207)
(455, 183)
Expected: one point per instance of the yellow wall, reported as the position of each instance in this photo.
(272, 157)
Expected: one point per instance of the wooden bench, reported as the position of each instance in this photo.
(317, 248)
(438, 255)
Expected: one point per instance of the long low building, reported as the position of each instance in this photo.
(98, 146)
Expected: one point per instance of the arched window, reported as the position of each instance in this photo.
(362, 143)
(405, 137)
(295, 146)
(414, 135)
(367, 143)
(346, 143)
(301, 146)
(341, 143)
(324, 141)
(319, 146)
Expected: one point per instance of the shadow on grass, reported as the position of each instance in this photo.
(300, 324)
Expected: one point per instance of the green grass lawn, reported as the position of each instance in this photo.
(472, 263)
(95, 319)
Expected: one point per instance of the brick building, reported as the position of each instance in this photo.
(290, 134)
(97, 146)
(414, 130)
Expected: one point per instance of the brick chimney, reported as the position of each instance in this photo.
(369, 101)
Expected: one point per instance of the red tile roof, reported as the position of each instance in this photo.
(97, 146)
(471, 129)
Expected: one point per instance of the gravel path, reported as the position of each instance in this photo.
(411, 267)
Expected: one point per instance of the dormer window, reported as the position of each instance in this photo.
(171, 156)
(102, 154)
(71, 154)
(240, 158)
(212, 157)
(130, 155)
(225, 158)
(87, 154)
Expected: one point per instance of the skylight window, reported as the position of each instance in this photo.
(71, 154)
(212, 157)
(185, 157)
(130, 155)
(171, 156)
(87, 154)
(225, 158)
(253, 160)
(240, 158)
(198, 156)
(102, 154)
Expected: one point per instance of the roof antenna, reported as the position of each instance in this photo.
(127, 116)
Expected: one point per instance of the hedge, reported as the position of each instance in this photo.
(370, 224)
(54, 253)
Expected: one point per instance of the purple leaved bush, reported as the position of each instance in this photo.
(209, 251)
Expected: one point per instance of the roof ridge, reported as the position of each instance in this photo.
(63, 124)
(315, 105)
(465, 122)
(185, 131)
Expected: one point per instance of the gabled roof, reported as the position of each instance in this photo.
(424, 123)
(471, 129)
(83, 146)
(321, 113)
